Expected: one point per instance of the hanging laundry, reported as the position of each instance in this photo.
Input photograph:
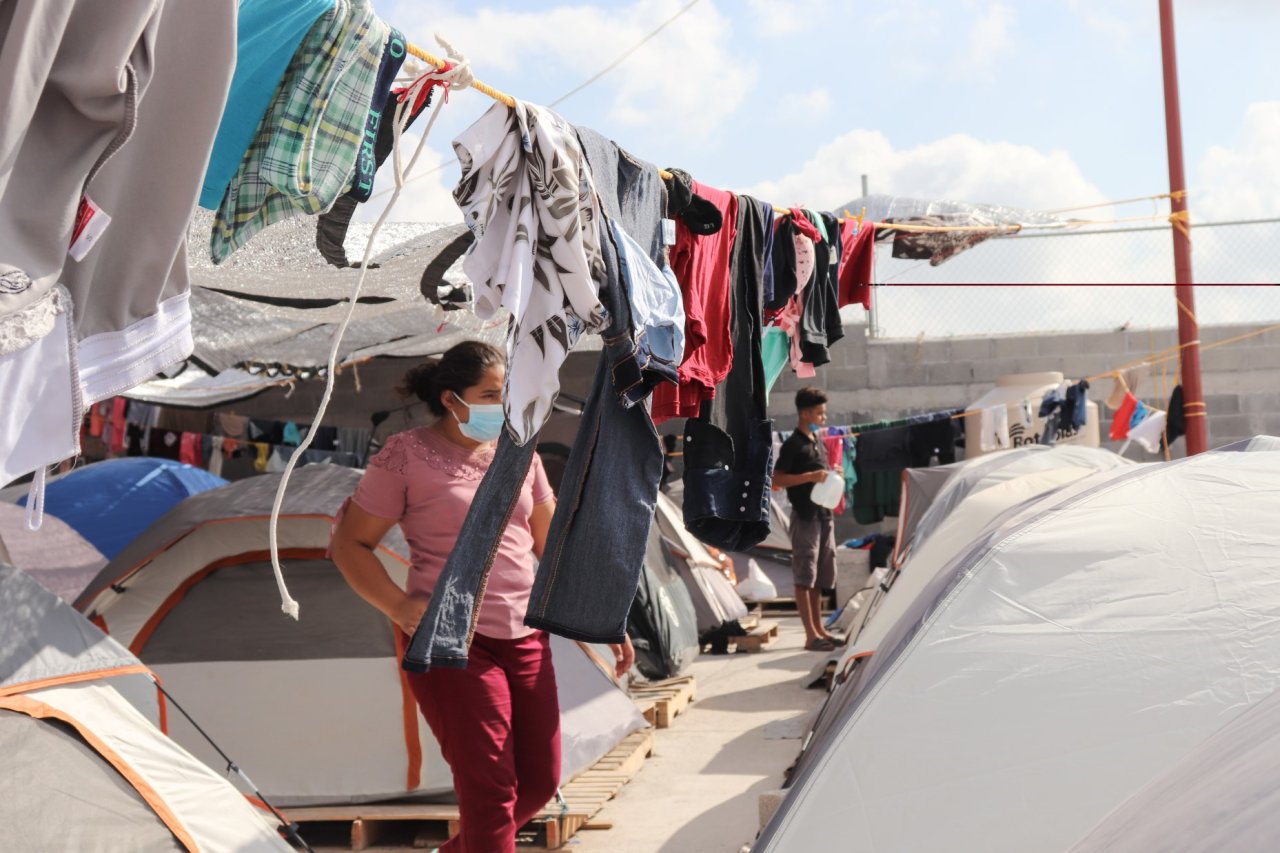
(165, 444)
(268, 34)
(932, 442)
(1140, 413)
(1150, 432)
(775, 352)
(332, 226)
(290, 434)
(850, 469)
(701, 216)
(73, 76)
(729, 445)
(657, 311)
(820, 325)
(1075, 408)
(702, 265)
(233, 426)
(993, 428)
(1051, 411)
(616, 462)
(528, 198)
(857, 263)
(835, 461)
(98, 416)
(190, 451)
(767, 255)
(394, 52)
(119, 433)
(263, 453)
(1175, 420)
(1121, 423)
(886, 449)
(304, 154)
(215, 456)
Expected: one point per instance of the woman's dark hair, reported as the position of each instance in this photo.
(461, 367)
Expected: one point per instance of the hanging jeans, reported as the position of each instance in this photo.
(595, 548)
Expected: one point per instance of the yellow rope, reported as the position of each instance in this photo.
(483, 88)
(1180, 194)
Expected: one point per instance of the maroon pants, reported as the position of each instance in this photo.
(498, 724)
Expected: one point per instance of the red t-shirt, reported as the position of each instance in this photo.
(856, 263)
(702, 266)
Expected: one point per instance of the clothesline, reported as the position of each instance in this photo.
(1179, 219)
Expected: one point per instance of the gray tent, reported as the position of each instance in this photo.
(663, 624)
(715, 602)
(196, 598)
(1222, 796)
(84, 767)
(56, 555)
(1077, 649)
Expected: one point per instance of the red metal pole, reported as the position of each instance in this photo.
(1188, 328)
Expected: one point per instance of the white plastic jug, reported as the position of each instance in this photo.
(829, 491)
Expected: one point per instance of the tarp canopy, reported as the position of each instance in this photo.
(111, 502)
(1070, 655)
(270, 310)
(195, 598)
(84, 768)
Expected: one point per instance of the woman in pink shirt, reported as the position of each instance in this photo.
(498, 720)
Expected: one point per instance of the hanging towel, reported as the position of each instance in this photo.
(1150, 433)
(1120, 425)
(1176, 421)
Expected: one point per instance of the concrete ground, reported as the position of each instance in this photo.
(698, 792)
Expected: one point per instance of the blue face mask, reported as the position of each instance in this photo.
(813, 428)
(484, 423)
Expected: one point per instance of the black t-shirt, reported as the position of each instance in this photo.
(801, 454)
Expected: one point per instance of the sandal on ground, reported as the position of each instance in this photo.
(818, 644)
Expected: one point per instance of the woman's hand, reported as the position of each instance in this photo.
(625, 655)
(408, 613)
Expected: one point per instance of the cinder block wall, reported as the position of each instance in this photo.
(870, 380)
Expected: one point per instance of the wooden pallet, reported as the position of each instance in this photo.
(430, 824)
(670, 697)
(758, 638)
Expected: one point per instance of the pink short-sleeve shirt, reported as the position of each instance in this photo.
(427, 483)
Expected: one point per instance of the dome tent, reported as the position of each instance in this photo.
(111, 502)
(61, 559)
(84, 768)
(194, 597)
(1070, 655)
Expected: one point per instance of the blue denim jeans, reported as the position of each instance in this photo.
(595, 549)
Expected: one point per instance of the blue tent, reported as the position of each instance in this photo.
(109, 503)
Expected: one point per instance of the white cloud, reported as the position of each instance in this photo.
(956, 167)
(989, 39)
(1242, 182)
(686, 77)
(779, 17)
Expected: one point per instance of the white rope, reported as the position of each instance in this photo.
(35, 501)
(459, 73)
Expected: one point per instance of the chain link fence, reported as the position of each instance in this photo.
(1053, 282)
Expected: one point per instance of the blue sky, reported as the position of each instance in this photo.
(1034, 103)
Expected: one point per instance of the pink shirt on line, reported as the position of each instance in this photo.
(427, 483)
